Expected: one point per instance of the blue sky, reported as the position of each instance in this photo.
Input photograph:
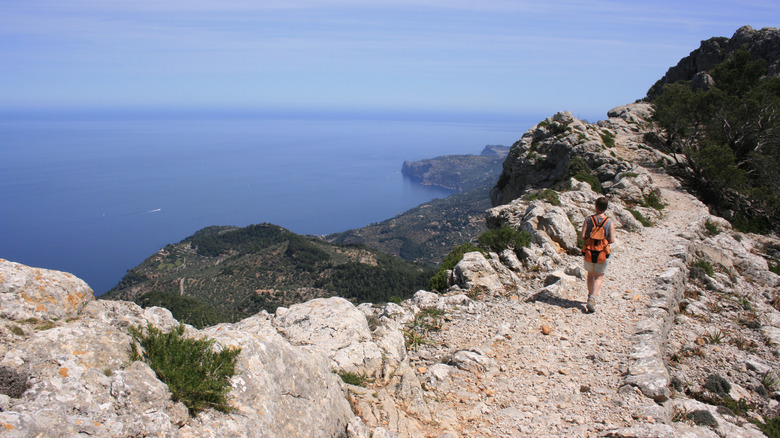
(493, 56)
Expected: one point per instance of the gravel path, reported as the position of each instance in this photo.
(558, 371)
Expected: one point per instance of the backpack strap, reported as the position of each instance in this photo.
(594, 224)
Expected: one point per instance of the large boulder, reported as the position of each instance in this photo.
(81, 380)
(475, 273)
(27, 292)
(335, 328)
(278, 389)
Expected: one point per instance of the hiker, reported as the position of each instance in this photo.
(598, 231)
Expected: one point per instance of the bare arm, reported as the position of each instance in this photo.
(611, 231)
(584, 227)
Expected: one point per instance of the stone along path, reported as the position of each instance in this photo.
(558, 371)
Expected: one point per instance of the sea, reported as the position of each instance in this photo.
(96, 194)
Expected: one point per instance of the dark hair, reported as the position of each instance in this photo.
(601, 204)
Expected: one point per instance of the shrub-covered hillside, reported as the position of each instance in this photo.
(227, 273)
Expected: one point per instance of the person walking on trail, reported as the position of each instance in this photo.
(598, 231)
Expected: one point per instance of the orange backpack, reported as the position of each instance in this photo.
(596, 249)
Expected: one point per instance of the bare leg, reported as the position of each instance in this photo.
(594, 284)
(591, 278)
(598, 278)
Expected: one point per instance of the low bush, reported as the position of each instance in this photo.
(640, 217)
(705, 266)
(771, 427)
(506, 237)
(653, 201)
(12, 383)
(496, 240)
(196, 375)
(351, 378)
(712, 229)
(548, 195)
(608, 138)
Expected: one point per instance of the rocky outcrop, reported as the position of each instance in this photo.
(80, 380)
(544, 156)
(40, 293)
(337, 329)
(762, 44)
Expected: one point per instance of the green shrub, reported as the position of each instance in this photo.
(608, 138)
(712, 229)
(15, 329)
(351, 378)
(558, 128)
(771, 427)
(195, 374)
(496, 240)
(638, 216)
(579, 170)
(629, 175)
(702, 417)
(506, 237)
(775, 267)
(705, 266)
(653, 201)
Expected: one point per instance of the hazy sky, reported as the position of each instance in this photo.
(498, 56)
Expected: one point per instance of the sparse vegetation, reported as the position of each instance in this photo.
(506, 237)
(715, 337)
(352, 378)
(548, 195)
(712, 229)
(608, 138)
(640, 217)
(705, 266)
(652, 201)
(196, 375)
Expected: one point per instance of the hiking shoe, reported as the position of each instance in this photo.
(591, 306)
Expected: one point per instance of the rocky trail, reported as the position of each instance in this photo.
(557, 370)
(543, 367)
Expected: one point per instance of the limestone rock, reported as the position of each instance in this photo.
(636, 113)
(475, 273)
(27, 292)
(473, 360)
(542, 156)
(80, 380)
(335, 328)
(278, 389)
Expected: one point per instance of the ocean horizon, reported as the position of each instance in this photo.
(94, 194)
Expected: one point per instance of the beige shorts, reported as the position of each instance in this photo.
(597, 267)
